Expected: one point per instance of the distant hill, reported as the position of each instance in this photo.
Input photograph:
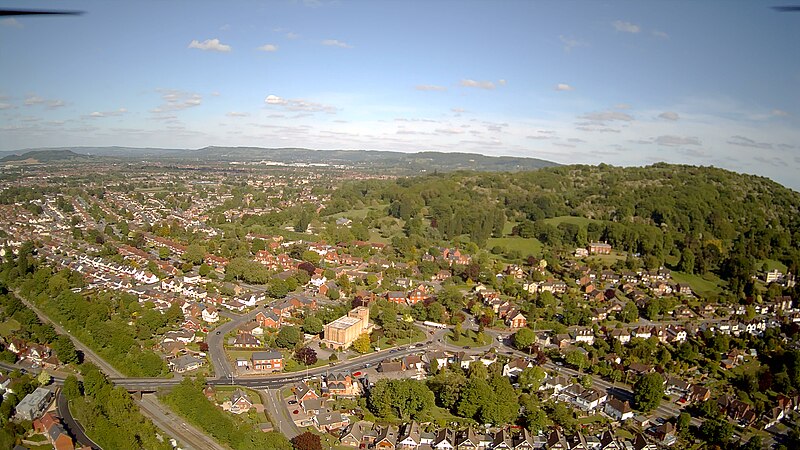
(43, 156)
(411, 162)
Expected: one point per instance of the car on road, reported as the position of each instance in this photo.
(292, 402)
(467, 347)
(218, 332)
(367, 365)
(429, 342)
(394, 350)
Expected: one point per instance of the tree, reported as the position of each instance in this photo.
(194, 254)
(204, 270)
(716, 431)
(531, 378)
(686, 264)
(405, 399)
(312, 325)
(65, 349)
(307, 441)
(288, 337)
(362, 343)
(524, 338)
(72, 387)
(629, 313)
(44, 378)
(306, 355)
(576, 358)
(647, 392)
(277, 288)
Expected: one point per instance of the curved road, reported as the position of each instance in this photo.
(72, 425)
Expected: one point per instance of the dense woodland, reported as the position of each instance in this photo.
(708, 219)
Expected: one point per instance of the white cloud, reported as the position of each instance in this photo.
(336, 43)
(101, 114)
(626, 27)
(298, 104)
(458, 110)
(33, 99)
(175, 100)
(237, 114)
(502, 82)
(669, 115)
(11, 23)
(676, 141)
(213, 45)
(478, 84)
(268, 48)
(6, 106)
(660, 34)
(274, 100)
(53, 104)
(429, 87)
(622, 106)
(563, 87)
(779, 113)
(570, 42)
(291, 35)
(608, 116)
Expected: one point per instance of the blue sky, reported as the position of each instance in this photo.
(625, 83)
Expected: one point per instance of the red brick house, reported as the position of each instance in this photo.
(268, 361)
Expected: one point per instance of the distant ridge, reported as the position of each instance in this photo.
(44, 156)
(422, 161)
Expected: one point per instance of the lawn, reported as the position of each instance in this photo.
(556, 221)
(705, 285)
(384, 342)
(469, 337)
(592, 419)
(771, 265)
(8, 327)
(354, 214)
(527, 246)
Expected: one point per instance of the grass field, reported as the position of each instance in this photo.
(468, 337)
(8, 327)
(708, 284)
(353, 214)
(527, 246)
(771, 265)
(569, 219)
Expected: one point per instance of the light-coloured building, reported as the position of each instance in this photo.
(341, 333)
(34, 404)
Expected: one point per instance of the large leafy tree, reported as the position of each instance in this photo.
(405, 399)
(288, 337)
(647, 392)
(306, 356)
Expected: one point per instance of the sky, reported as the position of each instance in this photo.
(617, 82)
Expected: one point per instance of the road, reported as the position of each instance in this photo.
(216, 341)
(278, 413)
(72, 425)
(174, 425)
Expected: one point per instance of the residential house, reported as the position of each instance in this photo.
(240, 402)
(515, 319)
(267, 361)
(330, 421)
(618, 409)
(387, 438)
(268, 319)
(185, 363)
(515, 367)
(246, 340)
(210, 314)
